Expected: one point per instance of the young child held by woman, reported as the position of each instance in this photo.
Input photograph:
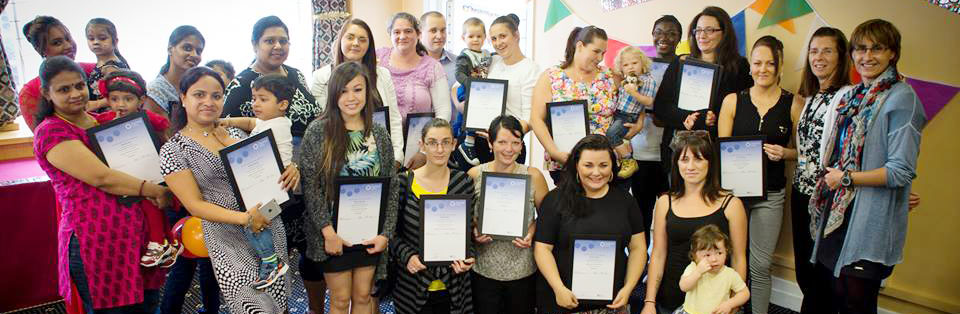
(708, 281)
(636, 96)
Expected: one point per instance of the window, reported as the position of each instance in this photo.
(458, 11)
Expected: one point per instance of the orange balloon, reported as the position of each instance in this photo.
(193, 237)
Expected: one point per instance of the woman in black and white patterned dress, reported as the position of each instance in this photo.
(194, 172)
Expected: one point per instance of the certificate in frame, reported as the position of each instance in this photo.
(495, 185)
(131, 125)
(690, 95)
(564, 112)
(262, 143)
(485, 97)
(381, 117)
(413, 124)
(741, 158)
(361, 187)
(658, 67)
(455, 205)
(609, 244)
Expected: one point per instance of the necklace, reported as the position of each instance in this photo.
(205, 133)
(74, 124)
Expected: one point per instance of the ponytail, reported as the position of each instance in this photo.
(586, 35)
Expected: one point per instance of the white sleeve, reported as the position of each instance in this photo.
(440, 93)
(526, 92)
(281, 133)
(388, 94)
(319, 86)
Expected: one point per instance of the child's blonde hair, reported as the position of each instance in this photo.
(473, 22)
(706, 238)
(633, 51)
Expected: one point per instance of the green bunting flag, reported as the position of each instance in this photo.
(556, 12)
(782, 10)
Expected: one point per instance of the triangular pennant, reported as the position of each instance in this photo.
(816, 24)
(613, 48)
(934, 96)
(781, 10)
(555, 12)
(789, 26)
(740, 28)
(760, 6)
(650, 50)
(683, 48)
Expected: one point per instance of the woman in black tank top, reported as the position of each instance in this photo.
(695, 200)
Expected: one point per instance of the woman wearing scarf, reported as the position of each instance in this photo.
(859, 207)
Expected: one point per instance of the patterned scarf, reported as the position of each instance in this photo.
(855, 116)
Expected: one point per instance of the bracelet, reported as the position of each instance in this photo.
(249, 225)
(650, 301)
(142, 182)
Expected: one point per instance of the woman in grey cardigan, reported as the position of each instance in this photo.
(859, 207)
(345, 142)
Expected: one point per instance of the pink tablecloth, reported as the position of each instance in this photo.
(28, 242)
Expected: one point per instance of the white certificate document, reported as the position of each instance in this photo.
(696, 87)
(129, 148)
(504, 206)
(594, 266)
(485, 101)
(414, 126)
(358, 211)
(444, 230)
(256, 172)
(380, 117)
(741, 167)
(568, 125)
(657, 69)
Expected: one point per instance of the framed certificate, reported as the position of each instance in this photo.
(444, 228)
(743, 166)
(504, 205)
(411, 133)
(486, 100)
(254, 168)
(381, 117)
(358, 208)
(567, 121)
(596, 266)
(699, 82)
(657, 68)
(129, 145)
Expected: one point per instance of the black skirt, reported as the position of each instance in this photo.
(351, 258)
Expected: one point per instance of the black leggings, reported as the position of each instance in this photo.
(802, 248)
(495, 297)
(848, 294)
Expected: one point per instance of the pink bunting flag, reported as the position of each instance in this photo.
(933, 95)
(614, 46)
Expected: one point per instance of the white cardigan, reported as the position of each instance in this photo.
(387, 94)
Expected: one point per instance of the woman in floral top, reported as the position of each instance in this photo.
(579, 77)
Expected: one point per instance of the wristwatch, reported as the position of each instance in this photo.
(846, 181)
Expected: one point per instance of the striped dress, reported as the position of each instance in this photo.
(411, 291)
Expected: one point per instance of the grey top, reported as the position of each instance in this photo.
(319, 212)
(878, 218)
(500, 259)
(162, 92)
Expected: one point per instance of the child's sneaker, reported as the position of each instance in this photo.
(628, 167)
(155, 254)
(174, 250)
(275, 272)
(469, 153)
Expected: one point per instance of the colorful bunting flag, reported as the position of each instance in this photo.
(740, 28)
(933, 95)
(783, 10)
(555, 12)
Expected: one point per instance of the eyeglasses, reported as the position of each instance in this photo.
(862, 49)
(706, 31)
(658, 33)
(435, 145)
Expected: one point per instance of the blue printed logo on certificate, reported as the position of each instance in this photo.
(504, 205)
(128, 147)
(255, 170)
(444, 225)
(696, 87)
(741, 166)
(568, 124)
(594, 269)
(358, 211)
(415, 123)
(486, 100)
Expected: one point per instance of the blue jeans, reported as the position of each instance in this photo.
(262, 242)
(180, 276)
(79, 277)
(617, 131)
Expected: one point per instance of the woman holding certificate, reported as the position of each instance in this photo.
(581, 234)
(712, 40)
(504, 274)
(695, 200)
(197, 175)
(100, 240)
(579, 77)
(443, 287)
(345, 142)
(769, 111)
(860, 205)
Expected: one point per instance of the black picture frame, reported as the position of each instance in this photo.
(581, 103)
(466, 104)
(763, 156)
(715, 88)
(225, 159)
(466, 232)
(406, 131)
(620, 263)
(383, 110)
(527, 216)
(98, 151)
(340, 181)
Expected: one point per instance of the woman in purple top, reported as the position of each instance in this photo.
(99, 240)
(420, 82)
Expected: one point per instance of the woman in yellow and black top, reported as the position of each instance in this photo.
(434, 289)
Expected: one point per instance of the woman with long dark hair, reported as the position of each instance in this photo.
(184, 50)
(585, 203)
(346, 143)
(695, 199)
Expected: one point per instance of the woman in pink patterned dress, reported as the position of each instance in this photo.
(100, 240)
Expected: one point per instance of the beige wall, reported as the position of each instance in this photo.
(377, 14)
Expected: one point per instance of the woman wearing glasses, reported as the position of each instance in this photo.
(433, 289)
(712, 40)
(859, 207)
(695, 200)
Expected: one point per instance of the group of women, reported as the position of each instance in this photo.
(856, 149)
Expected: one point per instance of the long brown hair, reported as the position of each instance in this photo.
(335, 130)
(586, 35)
(727, 54)
(369, 57)
(809, 83)
(700, 146)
